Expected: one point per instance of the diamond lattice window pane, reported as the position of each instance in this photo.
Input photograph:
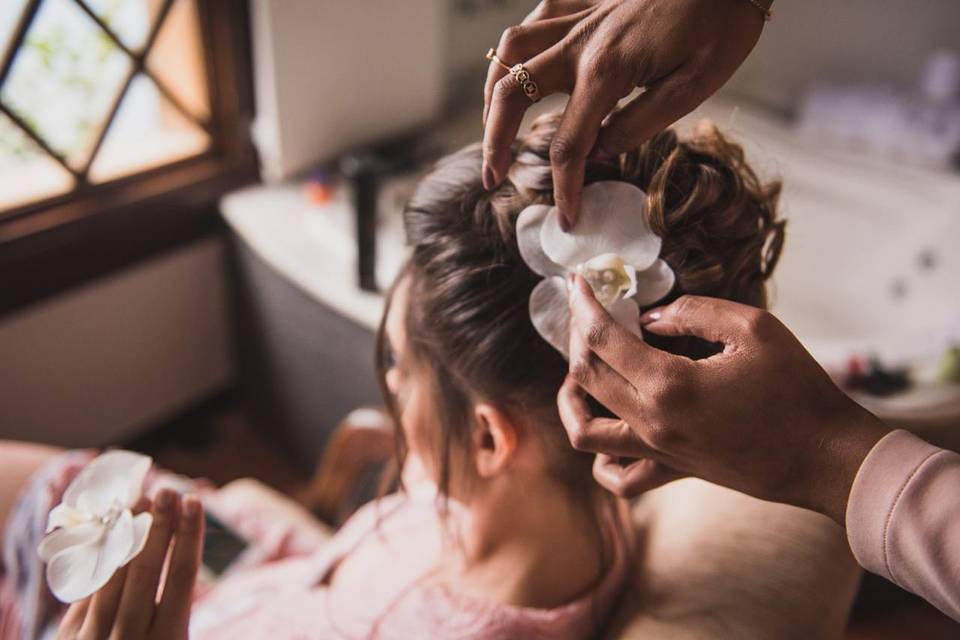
(65, 78)
(27, 173)
(10, 15)
(147, 132)
(130, 20)
(176, 58)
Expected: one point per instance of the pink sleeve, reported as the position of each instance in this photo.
(903, 518)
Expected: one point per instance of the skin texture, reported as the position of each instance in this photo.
(128, 606)
(598, 52)
(761, 417)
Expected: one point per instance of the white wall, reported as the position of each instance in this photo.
(807, 40)
(844, 40)
(470, 34)
(114, 356)
(335, 74)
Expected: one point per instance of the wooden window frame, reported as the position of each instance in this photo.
(51, 245)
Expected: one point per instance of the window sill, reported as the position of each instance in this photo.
(66, 244)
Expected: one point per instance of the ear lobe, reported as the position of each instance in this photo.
(494, 439)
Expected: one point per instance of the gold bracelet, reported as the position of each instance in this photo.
(767, 13)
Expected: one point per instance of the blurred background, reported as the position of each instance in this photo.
(199, 208)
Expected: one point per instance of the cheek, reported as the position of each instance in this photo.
(416, 418)
(393, 379)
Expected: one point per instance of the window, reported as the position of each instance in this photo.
(121, 124)
(93, 90)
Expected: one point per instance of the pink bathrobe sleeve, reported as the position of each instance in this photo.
(903, 518)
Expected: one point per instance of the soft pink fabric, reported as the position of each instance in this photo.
(274, 589)
(903, 518)
(285, 599)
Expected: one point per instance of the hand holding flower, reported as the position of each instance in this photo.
(93, 532)
(135, 603)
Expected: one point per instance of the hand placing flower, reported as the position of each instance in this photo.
(612, 247)
(93, 532)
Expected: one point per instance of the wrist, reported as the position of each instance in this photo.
(844, 444)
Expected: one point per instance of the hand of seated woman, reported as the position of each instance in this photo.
(127, 606)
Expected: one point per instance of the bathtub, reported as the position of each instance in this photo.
(871, 264)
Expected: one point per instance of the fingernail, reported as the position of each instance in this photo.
(651, 316)
(191, 506)
(489, 180)
(564, 223)
(164, 499)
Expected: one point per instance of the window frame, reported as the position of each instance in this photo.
(55, 243)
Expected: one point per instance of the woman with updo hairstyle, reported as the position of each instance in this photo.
(499, 529)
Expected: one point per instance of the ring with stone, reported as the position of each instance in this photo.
(521, 74)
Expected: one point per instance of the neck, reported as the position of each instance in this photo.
(531, 547)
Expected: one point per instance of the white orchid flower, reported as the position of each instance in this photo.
(612, 247)
(93, 532)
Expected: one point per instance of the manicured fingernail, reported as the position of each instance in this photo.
(489, 180)
(164, 499)
(651, 316)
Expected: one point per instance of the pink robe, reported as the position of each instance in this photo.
(903, 518)
(276, 590)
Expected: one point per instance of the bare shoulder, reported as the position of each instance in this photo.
(716, 563)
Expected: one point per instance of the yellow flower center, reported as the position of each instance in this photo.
(607, 276)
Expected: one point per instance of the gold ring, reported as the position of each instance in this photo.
(521, 74)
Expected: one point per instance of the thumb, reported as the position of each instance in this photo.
(711, 319)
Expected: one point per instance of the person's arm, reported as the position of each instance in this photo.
(598, 52)
(903, 518)
(761, 417)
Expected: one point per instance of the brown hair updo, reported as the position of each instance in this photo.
(468, 319)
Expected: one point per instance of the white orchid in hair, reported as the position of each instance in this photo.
(612, 247)
(92, 533)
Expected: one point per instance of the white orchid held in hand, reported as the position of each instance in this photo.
(612, 247)
(93, 532)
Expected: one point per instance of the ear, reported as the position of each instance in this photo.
(494, 439)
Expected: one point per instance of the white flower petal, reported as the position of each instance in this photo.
(632, 277)
(141, 528)
(80, 570)
(63, 515)
(550, 313)
(72, 574)
(114, 476)
(119, 542)
(612, 220)
(61, 539)
(529, 223)
(654, 282)
(626, 313)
